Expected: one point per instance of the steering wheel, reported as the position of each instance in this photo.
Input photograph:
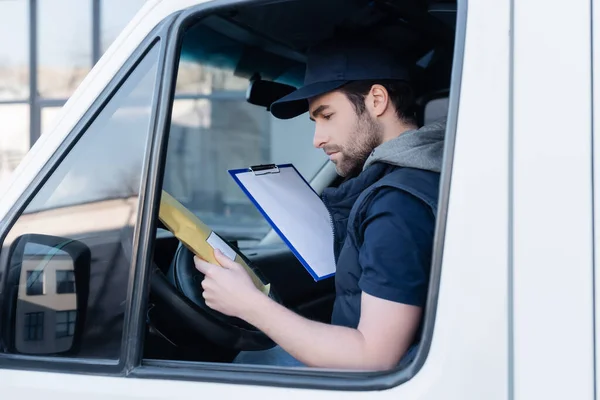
(181, 291)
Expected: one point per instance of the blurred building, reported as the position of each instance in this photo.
(46, 49)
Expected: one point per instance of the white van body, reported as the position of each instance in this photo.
(517, 312)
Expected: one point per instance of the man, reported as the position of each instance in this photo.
(384, 218)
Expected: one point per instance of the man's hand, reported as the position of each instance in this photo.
(227, 288)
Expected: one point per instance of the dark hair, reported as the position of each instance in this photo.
(400, 93)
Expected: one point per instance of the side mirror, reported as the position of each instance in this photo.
(47, 289)
(264, 93)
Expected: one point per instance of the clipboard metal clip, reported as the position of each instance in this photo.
(264, 169)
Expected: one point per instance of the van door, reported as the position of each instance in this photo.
(466, 356)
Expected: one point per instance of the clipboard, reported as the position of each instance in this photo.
(295, 211)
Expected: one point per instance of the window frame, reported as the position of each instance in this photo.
(71, 282)
(40, 279)
(156, 37)
(68, 323)
(272, 375)
(28, 326)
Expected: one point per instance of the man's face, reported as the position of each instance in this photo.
(346, 137)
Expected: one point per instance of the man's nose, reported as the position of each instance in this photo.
(319, 139)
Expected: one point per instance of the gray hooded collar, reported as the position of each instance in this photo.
(418, 148)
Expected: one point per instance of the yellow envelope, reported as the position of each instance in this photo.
(194, 234)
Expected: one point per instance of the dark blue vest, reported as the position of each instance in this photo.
(346, 204)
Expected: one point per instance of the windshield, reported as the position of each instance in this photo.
(214, 129)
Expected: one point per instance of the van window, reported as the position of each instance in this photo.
(66, 261)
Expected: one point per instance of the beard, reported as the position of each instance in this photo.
(366, 134)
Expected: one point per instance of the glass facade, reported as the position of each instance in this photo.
(47, 48)
(64, 49)
(14, 56)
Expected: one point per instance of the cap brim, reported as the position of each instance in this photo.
(296, 103)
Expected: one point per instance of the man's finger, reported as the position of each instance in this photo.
(202, 265)
(223, 260)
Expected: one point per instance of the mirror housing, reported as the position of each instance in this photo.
(46, 295)
(264, 93)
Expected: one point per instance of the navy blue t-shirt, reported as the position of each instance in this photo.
(394, 257)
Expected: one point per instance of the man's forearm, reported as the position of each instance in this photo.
(385, 330)
(313, 343)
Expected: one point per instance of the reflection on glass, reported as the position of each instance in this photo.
(110, 146)
(64, 48)
(114, 16)
(14, 137)
(65, 281)
(14, 52)
(35, 313)
(90, 199)
(204, 142)
(34, 327)
(65, 323)
(35, 283)
(194, 78)
(210, 136)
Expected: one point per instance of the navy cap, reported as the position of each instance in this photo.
(331, 65)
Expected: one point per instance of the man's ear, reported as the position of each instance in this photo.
(378, 100)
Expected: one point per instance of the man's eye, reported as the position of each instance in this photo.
(328, 116)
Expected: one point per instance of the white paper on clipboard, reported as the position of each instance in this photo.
(295, 211)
